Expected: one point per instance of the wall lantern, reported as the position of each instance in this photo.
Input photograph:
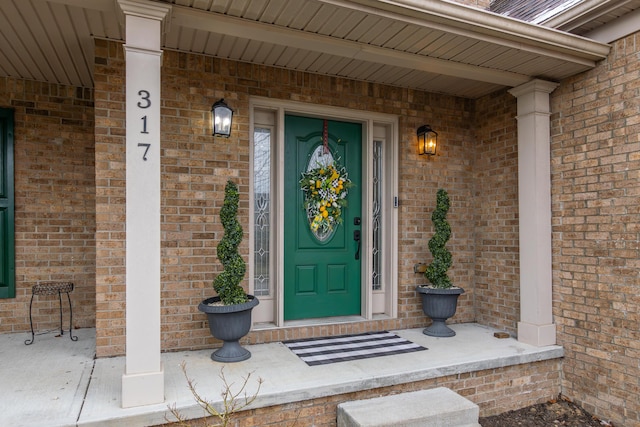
(221, 118)
(427, 140)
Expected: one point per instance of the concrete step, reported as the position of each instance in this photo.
(438, 407)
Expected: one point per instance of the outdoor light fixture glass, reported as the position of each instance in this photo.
(427, 140)
(221, 118)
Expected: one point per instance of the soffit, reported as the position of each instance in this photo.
(604, 13)
(429, 45)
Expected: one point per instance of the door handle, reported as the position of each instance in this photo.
(356, 237)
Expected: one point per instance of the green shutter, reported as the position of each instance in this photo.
(7, 239)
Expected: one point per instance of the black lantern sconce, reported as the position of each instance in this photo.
(427, 140)
(221, 119)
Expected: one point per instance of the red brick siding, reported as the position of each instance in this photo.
(596, 254)
(195, 167)
(109, 93)
(493, 390)
(54, 201)
(595, 204)
(496, 192)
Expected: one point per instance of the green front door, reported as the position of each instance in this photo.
(321, 271)
(7, 240)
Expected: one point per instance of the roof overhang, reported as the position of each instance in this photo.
(430, 45)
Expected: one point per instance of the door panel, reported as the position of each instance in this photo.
(321, 277)
(7, 251)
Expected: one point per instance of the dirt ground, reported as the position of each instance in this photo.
(557, 412)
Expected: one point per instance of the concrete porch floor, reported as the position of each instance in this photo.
(56, 382)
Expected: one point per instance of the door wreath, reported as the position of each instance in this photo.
(325, 191)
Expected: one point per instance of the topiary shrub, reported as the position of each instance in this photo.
(227, 284)
(436, 272)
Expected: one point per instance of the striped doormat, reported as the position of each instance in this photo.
(322, 351)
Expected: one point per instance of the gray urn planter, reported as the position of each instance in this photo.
(439, 305)
(229, 323)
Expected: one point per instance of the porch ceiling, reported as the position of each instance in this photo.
(431, 45)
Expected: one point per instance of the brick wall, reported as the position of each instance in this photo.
(54, 201)
(494, 390)
(419, 179)
(596, 233)
(109, 93)
(195, 168)
(595, 204)
(496, 193)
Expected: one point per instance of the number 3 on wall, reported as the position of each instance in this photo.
(145, 102)
(145, 96)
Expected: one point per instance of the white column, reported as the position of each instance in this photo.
(536, 325)
(143, 379)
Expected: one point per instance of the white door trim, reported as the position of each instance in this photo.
(372, 123)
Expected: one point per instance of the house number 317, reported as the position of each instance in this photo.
(144, 103)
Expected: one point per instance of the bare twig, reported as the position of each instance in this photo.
(232, 403)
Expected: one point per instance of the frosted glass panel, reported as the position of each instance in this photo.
(376, 228)
(262, 209)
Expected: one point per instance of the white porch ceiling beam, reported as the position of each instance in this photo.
(222, 24)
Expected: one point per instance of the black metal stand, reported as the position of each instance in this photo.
(51, 288)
